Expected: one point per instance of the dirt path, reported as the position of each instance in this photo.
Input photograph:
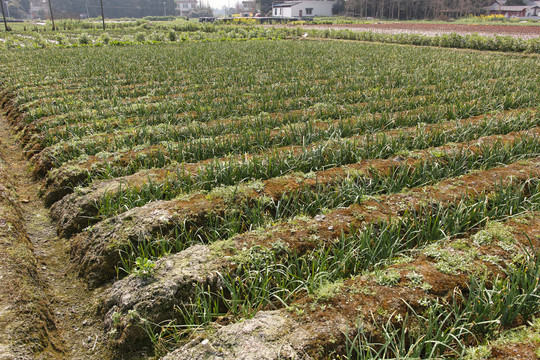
(72, 305)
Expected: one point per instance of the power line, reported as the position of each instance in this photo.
(102, 14)
(4, 15)
(52, 17)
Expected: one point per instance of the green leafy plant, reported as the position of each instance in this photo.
(143, 267)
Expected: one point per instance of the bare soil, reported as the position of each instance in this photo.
(73, 332)
(525, 351)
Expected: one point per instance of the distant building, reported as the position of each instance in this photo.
(249, 7)
(185, 7)
(307, 8)
(39, 9)
(530, 9)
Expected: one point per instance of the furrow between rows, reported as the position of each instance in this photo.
(28, 324)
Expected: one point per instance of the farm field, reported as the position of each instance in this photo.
(432, 29)
(514, 38)
(269, 199)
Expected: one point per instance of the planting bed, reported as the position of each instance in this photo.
(524, 32)
(286, 199)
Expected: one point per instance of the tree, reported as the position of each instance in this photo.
(205, 11)
(413, 9)
(265, 6)
(112, 8)
(16, 10)
(338, 7)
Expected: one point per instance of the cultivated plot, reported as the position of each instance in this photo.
(290, 199)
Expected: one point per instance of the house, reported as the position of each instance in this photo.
(38, 9)
(306, 8)
(184, 7)
(249, 6)
(499, 7)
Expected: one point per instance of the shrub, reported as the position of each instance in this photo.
(84, 39)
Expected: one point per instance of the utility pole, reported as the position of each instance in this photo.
(52, 17)
(4, 15)
(102, 14)
(164, 9)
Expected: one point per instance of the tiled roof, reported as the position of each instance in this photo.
(287, 4)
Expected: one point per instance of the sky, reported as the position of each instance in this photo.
(220, 3)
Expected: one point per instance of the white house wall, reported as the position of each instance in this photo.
(319, 8)
(533, 11)
(284, 12)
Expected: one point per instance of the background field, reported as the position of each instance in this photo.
(479, 36)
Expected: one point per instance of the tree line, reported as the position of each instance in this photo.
(406, 9)
(19, 9)
(389, 9)
(413, 9)
(113, 8)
